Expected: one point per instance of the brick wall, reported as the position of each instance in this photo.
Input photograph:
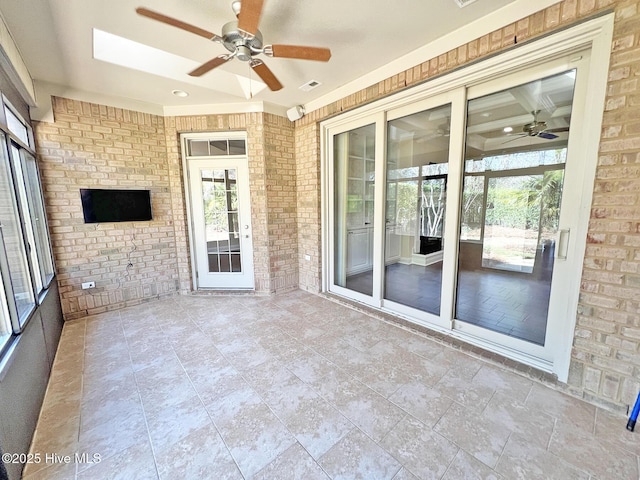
(605, 366)
(272, 191)
(308, 209)
(93, 146)
(280, 175)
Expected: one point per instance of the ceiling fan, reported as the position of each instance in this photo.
(538, 128)
(244, 42)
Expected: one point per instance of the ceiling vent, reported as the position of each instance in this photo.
(310, 85)
(463, 3)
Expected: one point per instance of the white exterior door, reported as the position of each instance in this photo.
(220, 211)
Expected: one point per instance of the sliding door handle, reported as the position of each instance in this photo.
(563, 243)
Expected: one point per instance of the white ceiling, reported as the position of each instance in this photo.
(55, 38)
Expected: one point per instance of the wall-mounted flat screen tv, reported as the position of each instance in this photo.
(109, 205)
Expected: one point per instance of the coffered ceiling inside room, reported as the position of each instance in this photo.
(104, 47)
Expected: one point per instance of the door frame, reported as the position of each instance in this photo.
(594, 35)
(247, 257)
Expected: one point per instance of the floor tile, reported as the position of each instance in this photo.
(600, 458)
(480, 437)
(255, 437)
(136, 462)
(427, 404)
(357, 457)
(171, 424)
(200, 454)
(535, 425)
(422, 451)
(218, 387)
(294, 463)
(521, 459)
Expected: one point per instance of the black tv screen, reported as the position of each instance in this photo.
(107, 205)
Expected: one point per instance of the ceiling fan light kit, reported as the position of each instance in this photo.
(244, 41)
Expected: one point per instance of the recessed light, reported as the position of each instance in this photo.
(507, 129)
(180, 93)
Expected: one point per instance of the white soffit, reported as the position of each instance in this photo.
(121, 51)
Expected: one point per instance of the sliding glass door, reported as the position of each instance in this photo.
(456, 211)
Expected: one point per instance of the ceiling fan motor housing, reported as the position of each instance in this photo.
(244, 47)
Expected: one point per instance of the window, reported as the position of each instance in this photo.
(39, 229)
(13, 240)
(26, 261)
(16, 125)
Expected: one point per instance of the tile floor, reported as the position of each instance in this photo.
(295, 386)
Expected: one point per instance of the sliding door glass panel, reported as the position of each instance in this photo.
(354, 184)
(516, 149)
(416, 181)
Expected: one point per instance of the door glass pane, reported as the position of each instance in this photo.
(14, 242)
(417, 167)
(516, 149)
(354, 184)
(220, 201)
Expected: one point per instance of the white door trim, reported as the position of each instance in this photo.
(244, 199)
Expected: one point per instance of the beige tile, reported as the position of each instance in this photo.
(478, 436)
(255, 437)
(369, 411)
(612, 428)
(200, 454)
(112, 437)
(599, 457)
(506, 383)
(310, 366)
(567, 410)
(465, 467)
(535, 425)
(294, 463)
(317, 425)
(175, 422)
(521, 459)
(356, 456)
(51, 471)
(163, 385)
(472, 395)
(112, 408)
(425, 403)
(136, 462)
(422, 451)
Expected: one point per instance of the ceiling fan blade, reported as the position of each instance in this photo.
(297, 51)
(145, 12)
(547, 135)
(266, 75)
(249, 17)
(556, 130)
(210, 65)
